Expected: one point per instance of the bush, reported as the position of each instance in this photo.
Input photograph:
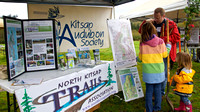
(136, 35)
(2, 41)
(136, 38)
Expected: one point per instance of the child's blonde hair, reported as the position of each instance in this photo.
(184, 60)
(147, 31)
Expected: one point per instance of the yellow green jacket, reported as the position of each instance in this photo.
(184, 81)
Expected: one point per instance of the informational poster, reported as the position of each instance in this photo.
(30, 45)
(122, 43)
(130, 83)
(76, 92)
(194, 36)
(78, 26)
(14, 47)
(39, 44)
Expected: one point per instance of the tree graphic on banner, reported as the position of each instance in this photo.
(26, 102)
(109, 76)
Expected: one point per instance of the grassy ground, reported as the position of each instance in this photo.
(114, 104)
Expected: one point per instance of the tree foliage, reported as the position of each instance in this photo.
(14, 16)
(109, 76)
(25, 103)
(192, 11)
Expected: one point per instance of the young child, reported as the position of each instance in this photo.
(152, 52)
(184, 82)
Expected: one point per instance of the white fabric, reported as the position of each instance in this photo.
(147, 8)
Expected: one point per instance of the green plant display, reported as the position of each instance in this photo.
(25, 103)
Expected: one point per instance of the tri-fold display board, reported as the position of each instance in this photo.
(30, 45)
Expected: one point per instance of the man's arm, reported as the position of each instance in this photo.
(148, 20)
(141, 26)
(174, 35)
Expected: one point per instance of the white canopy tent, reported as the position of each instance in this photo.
(173, 8)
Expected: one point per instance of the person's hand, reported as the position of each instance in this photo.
(169, 43)
(150, 20)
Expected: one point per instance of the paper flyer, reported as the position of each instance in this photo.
(130, 83)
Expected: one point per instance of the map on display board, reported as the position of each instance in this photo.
(130, 83)
(122, 43)
(14, 47)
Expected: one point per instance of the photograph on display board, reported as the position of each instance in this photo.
(14, 47)
(123, 49)
(130, 83)
(28, 43)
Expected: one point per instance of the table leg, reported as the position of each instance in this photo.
(8, 101)
(14, 101)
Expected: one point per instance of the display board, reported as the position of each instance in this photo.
(30, 45)
(40, 45)
(130, 83)
(194, 36)
(121, 38)
(14, 47)
(78, 26)
(76, 92)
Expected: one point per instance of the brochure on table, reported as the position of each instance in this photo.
(123, 49)
(96, 56)
(130, 83)
(30, 45)
(84, 56)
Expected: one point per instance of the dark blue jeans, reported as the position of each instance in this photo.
(150, 89)
(165, 81)
(185, 100)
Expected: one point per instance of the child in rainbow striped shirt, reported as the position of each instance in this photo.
(152, 52)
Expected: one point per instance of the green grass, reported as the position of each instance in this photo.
(114, 104)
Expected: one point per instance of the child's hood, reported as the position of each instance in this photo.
(154, 41)
(189, 72)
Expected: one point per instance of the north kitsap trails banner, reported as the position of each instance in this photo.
(74, 92)
(77, 26)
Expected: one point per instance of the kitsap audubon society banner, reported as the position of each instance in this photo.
(77, 26)
(71, 93)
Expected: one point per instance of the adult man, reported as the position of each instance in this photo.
(159, 22)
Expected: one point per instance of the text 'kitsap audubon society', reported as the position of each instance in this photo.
(87, 36)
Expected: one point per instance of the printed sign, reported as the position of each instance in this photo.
(194, 39)
(130, 83)
(39, 44)
(70, 93)
(122, 43)
(15, 46)
(78, 26)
